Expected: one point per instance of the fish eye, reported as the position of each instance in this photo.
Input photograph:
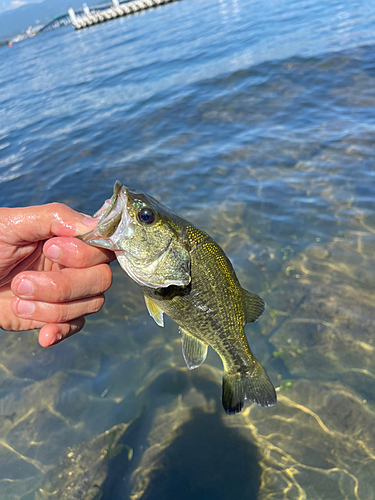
(146, 215)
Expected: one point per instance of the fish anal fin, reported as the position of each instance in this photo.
(253, 385)
(155, 311)
(193, 349)
(253, 306)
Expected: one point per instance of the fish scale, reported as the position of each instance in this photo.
(220, 321)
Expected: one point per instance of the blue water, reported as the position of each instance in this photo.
(256, 121)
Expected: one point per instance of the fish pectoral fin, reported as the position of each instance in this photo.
(253, 306)
(253, 385)
(193, 349)
(155, 311)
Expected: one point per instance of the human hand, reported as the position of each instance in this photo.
(48, 279)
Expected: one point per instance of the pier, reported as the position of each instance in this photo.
(91, 17)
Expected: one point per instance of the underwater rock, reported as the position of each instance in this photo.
(318, 442)
(27, 417)
(82, 471)
(329, 336)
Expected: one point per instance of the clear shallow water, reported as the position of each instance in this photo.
(256, 122)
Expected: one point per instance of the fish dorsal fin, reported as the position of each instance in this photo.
(253, 306)
(155, 311)
(193, 350)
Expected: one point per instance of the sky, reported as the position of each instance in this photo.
(14, 4)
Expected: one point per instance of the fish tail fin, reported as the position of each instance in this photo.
(253, 385)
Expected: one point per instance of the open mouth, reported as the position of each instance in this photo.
(114, 221)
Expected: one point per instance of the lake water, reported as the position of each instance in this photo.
(256, 121)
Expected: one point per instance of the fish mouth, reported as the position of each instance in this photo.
(113, 221)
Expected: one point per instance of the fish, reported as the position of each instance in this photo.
(185, 274)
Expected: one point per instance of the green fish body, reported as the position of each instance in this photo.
(186, 275)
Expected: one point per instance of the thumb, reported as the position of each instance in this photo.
(19, 226)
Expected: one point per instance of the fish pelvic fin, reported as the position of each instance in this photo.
(253, 306)
(193, 349)
(155, 311)
(253, 385)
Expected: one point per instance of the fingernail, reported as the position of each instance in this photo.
(26, 288)
(89, 221)
(53, 252)
(55, 339)
(25, 307)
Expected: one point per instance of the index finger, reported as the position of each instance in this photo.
(71, 252)
(38, 223)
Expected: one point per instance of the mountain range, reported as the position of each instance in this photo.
(17, 20)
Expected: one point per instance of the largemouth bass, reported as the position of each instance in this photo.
(186, 275)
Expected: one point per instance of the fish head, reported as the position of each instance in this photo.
(147, 237)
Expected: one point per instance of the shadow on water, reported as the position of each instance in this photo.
(192, 466)
(200, 447)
